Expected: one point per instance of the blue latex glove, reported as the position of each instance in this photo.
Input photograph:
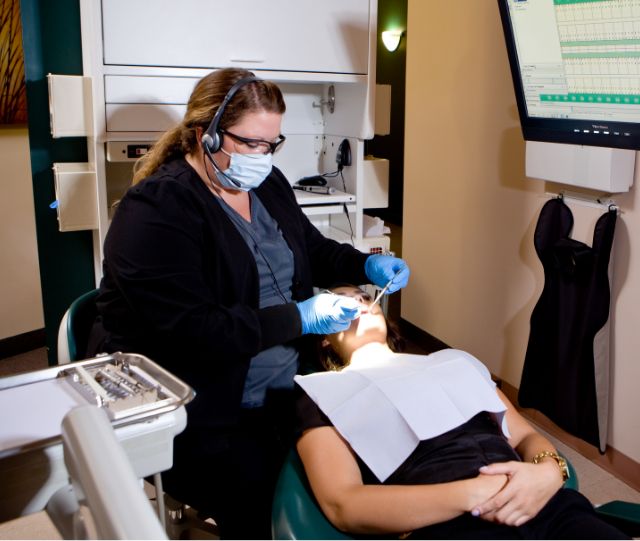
(327, 313)
(382, 268)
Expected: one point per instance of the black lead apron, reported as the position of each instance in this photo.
(566, 371)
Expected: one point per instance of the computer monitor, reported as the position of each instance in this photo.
(576, 69)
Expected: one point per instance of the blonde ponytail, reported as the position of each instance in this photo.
(172, 143)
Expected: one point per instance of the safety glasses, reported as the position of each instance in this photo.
(256, 144)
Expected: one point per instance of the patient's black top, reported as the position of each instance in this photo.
(454, 455)
(458, 454)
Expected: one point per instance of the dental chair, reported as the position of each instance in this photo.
(73, 333)
(297, 515)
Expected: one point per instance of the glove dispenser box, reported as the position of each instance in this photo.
(70, 105)
(75, 185)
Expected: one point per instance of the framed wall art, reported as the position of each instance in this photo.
(13, 92)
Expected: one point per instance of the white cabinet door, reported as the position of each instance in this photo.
(329, 36)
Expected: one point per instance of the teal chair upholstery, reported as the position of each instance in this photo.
(73, 333)
(624, 515)
(297, 515)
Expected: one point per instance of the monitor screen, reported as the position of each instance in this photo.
(576, 69)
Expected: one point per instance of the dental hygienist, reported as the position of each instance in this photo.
(209, 268)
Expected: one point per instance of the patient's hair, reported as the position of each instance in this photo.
(330, 359)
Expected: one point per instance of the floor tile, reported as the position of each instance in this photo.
(25, 362)
(34, 526)
(609, 490)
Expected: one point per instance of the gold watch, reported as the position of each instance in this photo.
(562, 463)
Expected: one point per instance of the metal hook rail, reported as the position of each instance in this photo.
(602, 202)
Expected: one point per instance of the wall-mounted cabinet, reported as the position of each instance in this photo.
(144, 57)
(331, 36)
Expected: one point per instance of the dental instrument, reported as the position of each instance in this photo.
(384, 289)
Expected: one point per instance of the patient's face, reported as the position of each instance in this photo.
(371, 326)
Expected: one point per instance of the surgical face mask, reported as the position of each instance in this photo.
(247, 170)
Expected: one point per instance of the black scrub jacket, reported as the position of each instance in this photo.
(181, 286)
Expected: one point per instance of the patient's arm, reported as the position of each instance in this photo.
(352, 506)
(530, 485)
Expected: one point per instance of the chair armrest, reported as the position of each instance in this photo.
(623, 515)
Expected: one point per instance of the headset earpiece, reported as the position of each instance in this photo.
(212, 144)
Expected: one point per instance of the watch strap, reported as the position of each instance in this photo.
(562, 463)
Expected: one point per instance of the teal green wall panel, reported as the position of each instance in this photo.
(52, 44)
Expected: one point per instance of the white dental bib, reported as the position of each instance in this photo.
(385, 407)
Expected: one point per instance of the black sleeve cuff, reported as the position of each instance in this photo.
(279, 324)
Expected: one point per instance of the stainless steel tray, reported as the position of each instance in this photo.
(128, 386)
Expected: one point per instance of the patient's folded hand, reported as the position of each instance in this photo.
(529, 488)
(483, 488)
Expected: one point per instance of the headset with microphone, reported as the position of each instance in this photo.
(212, 138)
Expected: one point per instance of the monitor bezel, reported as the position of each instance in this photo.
(559, 130)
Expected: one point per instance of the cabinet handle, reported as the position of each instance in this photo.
(252, 60)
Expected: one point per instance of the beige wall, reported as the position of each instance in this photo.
(20, 293)
(470, 212)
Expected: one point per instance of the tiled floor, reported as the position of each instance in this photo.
(31, 360)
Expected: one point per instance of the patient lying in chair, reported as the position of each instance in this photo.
(426, 447)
